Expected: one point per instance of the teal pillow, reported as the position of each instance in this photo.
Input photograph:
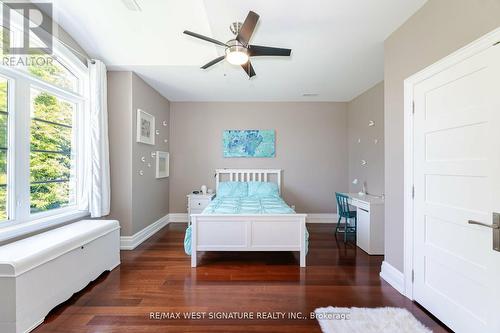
(263, 189)
(232, 189)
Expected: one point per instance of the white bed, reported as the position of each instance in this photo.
(248, 232)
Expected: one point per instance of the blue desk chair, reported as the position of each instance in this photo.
(344, 212)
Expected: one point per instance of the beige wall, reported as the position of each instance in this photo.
(120, 149)
(136, 201)
(149, 195)
(436, 30)
(311, 148)
(369, 106)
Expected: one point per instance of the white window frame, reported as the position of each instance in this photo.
(21, 82)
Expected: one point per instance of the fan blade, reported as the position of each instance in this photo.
(213, 62)
(256, 50)
(247, 28)
(208, 39)
(248, 68)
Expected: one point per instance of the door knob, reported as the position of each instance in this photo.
(492, 226)
(495, 229)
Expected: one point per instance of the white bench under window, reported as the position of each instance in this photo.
(42, 271)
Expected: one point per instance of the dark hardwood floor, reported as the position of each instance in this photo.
(157, 277)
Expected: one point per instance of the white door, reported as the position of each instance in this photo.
(457, 179)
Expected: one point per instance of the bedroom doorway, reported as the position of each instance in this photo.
(452, 245)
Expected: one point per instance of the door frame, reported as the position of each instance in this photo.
(456, 57)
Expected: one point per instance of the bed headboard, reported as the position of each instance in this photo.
(248, 175)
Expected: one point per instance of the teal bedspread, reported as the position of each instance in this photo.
(256, 204)
(248, 205)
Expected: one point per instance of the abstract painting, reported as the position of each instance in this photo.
(248, 143)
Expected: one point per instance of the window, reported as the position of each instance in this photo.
(4, 150)
(55, 73)
(40, 107)
(52, 182)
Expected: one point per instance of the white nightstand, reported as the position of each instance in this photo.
(197, 203)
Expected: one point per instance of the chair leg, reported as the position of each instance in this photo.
(355, 227)
(345, 229)
(338, 223)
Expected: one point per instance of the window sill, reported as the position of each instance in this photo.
(20, 229)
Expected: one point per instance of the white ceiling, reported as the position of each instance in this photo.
(337, 45)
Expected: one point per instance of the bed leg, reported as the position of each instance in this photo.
(193, 259)
(194, 240)
(303, 258)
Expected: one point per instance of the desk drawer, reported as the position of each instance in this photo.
(361, 204)
(199, 203)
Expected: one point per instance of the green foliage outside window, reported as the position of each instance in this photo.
(3, 153)
(52, 71)
(50, 158)
(50, 141)
(52, 184)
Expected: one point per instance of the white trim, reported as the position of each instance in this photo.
(25, 228)
(321, 218)
(408, 190)
(178, 217)
(311, 218)
(131, 242)
(11, 152)
(466, 52)
(40, 84)
(392, 276)
(35, 325)
(18, 174)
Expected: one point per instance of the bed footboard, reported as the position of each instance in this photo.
(259, 232)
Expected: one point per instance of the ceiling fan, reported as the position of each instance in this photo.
(238, 50)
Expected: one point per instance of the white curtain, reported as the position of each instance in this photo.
(93, 170)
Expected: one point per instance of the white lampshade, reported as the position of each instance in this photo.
(236, 57)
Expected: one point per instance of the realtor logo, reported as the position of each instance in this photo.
(36, 21)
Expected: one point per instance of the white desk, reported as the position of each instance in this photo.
(370, 228)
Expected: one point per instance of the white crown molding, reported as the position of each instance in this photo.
(131, 242)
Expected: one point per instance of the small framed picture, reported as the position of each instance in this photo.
(162, 164)
(145, 127)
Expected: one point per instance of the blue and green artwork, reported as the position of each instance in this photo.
(248, 143)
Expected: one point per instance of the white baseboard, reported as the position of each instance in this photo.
(393, 276)
(321, 218)
(178, 217)
(131, 242)
(311, 218)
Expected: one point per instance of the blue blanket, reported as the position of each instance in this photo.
(248, 205)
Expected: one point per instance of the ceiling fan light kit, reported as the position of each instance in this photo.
(238, 51)
(236, 54)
